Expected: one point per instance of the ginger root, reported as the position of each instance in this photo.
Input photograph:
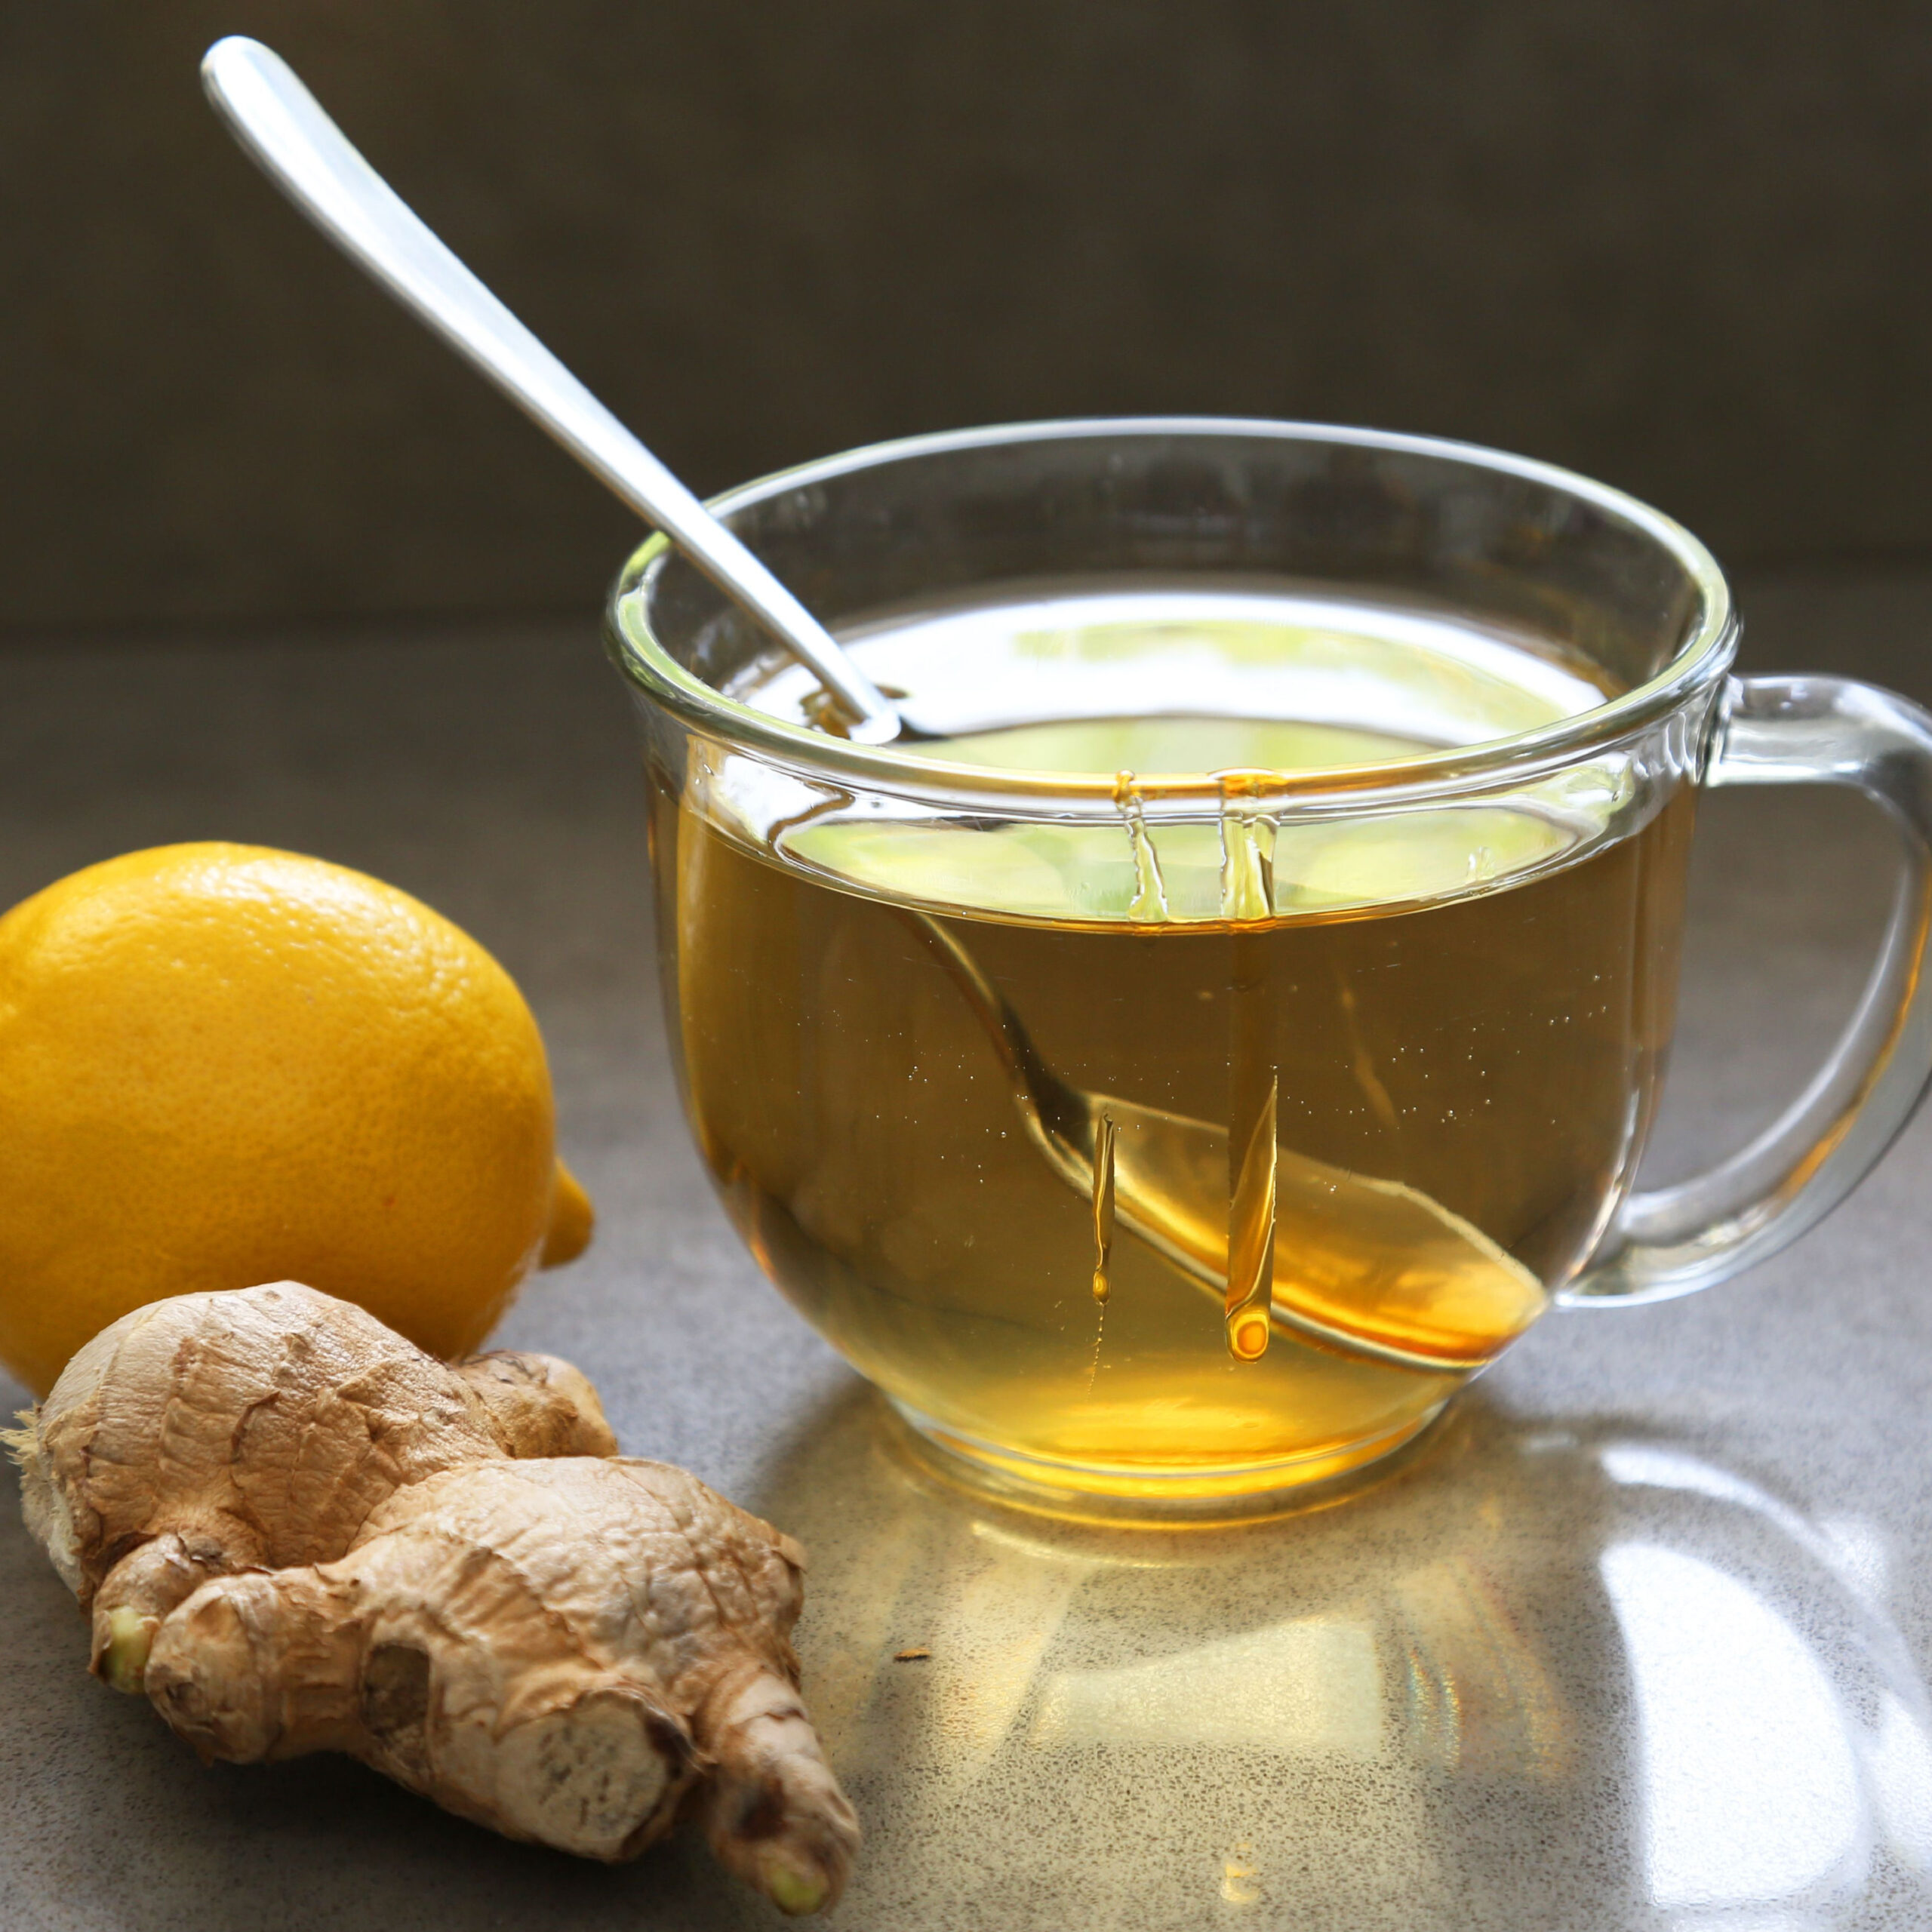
(297, 1532)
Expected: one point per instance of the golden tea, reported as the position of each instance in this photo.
(1174, 1144)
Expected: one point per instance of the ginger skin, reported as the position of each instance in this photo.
(297, 1532)
(211, 1433)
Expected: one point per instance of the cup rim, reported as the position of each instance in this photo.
(643, 659)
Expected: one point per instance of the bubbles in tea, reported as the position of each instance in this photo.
(1212, 1148)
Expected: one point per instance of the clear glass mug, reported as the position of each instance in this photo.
(1166, 1141)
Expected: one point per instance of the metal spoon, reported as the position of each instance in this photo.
(281, 125)
(1372, 1268)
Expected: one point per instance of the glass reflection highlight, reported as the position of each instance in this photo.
(1750, 1788)
(1875, 1736)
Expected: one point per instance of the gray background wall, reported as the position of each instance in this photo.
(1680, 244)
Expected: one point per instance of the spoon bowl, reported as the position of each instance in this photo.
(1367, 1267)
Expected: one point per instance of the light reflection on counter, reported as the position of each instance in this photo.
(1750, 1789)
(1311, 1688)
(1766, 1778)
(1527, 1678)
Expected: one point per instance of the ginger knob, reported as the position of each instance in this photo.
(297, 1532)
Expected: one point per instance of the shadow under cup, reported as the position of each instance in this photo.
(1162, 1140)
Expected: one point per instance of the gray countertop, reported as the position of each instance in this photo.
(1638, 1637)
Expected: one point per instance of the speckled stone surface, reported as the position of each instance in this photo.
(1638, 1639)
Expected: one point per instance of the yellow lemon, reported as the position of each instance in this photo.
(222, 1065)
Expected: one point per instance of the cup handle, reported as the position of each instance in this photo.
(1672, 1240)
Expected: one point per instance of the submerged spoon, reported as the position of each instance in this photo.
(283, 127)
(1372, 1268)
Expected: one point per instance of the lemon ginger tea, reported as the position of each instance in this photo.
(1197, 1139)
(1233, 1007)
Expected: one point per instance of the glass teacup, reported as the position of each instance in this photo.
(1236, 1011)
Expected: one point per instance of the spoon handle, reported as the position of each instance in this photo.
(283, 128)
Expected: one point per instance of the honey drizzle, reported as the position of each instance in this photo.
(1150, 904)
(1247, 847)
(1247, 894)
(1103, 1204)
(1251, 1234)
(1103, 1231)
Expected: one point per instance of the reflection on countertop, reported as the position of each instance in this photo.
(1531, 1676)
